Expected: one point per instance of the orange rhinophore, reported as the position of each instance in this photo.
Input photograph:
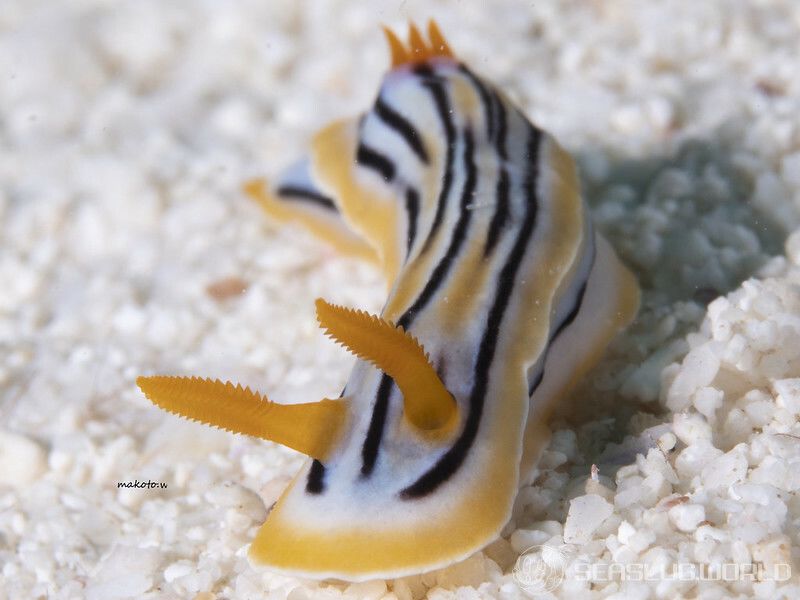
(426, 402)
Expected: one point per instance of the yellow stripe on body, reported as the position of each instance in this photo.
(394, 550)
(369, 210)
(610, 303)
(468, 288)
(557, 253)
(563, 184)
(470, 282)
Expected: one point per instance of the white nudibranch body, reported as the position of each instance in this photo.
(501, 295)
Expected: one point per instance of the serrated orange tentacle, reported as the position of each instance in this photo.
(312, 428)
(399, 53)
(439, 45)
(427, 403)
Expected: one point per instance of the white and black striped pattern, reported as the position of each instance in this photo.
(487, 228)
(496, 258)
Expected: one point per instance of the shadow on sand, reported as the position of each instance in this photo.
(689, 229)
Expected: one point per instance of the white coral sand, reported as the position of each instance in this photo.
(126, 129)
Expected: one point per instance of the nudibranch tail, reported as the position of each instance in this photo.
(313, 210)
(426, 402)
(313, 428)
(418, 50)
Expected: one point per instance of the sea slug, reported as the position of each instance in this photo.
(501, 295)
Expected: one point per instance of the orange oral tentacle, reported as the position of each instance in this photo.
(313, 428)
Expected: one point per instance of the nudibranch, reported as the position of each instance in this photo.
(501, 295)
